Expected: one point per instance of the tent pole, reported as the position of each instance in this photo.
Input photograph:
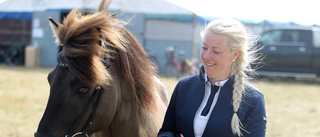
(194, 25)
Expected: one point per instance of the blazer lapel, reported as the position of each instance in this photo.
(193, 104)
(224, 101)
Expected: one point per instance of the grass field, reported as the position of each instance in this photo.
(293, 107)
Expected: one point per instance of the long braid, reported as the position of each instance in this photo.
(239, 66)
(238, 90)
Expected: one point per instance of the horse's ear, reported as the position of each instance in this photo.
(104, 5)
(54, 25)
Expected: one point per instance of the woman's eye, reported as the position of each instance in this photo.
(83, 90)
(204, 48)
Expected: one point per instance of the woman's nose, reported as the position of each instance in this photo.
(207, 55)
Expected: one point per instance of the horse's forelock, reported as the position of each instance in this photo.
(81, 36)
(89, 70)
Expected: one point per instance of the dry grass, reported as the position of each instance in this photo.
(293, 107)
(23, 96)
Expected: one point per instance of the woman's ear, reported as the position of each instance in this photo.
(236, 54)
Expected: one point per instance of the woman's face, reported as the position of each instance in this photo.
(217, 57)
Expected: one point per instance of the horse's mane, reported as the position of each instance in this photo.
(81, 36)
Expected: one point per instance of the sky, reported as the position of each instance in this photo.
(299, 11)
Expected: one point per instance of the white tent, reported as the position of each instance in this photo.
(133, 6)
(157, 24)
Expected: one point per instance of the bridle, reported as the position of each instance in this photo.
(98, 92)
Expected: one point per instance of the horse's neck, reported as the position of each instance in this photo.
(129, 117)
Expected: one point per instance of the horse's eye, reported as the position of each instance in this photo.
(83, 90)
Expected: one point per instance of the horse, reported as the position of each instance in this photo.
(104, 84)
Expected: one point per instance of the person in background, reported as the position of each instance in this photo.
(218, 102)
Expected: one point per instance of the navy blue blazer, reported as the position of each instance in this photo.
(187, 97)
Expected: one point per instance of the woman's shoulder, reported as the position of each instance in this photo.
(252, 93)
(252, 100)
(189, 79)
(190, 82)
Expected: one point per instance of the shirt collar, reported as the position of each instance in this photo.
(218, 83)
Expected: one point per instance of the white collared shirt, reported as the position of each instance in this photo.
(200, 122)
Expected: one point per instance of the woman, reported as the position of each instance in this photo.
(234, 108)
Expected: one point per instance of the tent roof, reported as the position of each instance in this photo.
(156, 9)
(134, 6)
(22, 9)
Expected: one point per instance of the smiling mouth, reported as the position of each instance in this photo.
(210, 65)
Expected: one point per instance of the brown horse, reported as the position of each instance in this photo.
(104, 84)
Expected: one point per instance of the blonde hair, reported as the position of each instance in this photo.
(239, 37)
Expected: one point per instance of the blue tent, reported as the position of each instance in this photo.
(15, 15)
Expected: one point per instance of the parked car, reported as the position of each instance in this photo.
(293, 52)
